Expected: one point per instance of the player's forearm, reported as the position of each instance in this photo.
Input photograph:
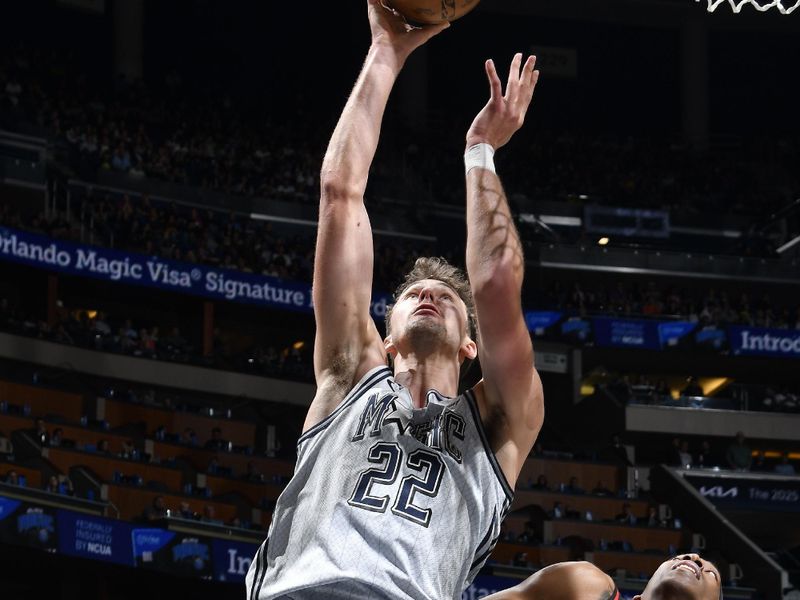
(494, 252)
(352, 147)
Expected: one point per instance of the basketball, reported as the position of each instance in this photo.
(432, 12)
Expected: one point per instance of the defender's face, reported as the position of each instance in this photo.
(429, 312)
(684, 576)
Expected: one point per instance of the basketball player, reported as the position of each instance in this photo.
(683, 577)
(401, 483)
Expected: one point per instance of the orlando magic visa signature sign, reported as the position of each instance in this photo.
(152, 271)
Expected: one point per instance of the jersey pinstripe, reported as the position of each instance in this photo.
(386, 502)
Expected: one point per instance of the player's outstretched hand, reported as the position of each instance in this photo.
(391, 30)
(503, 115)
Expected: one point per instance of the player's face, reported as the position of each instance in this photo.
(429, 313)
(684, 576)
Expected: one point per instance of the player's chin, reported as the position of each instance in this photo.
(680, 584)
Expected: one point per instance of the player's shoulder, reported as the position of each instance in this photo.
(572, 580)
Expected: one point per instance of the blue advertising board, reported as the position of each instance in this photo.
(232, 559)
(152, 271)
(764, 494)
(98, 538)
(760, 341)
(626, 333)
(540, 320)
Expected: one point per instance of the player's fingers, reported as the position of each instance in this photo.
(529, 69)
(495, 87)
(512, 87)
(531, 89)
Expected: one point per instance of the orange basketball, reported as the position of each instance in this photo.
(431, 12)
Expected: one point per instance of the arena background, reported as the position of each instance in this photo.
(159, 176)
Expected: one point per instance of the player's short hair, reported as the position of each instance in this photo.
(435, 267)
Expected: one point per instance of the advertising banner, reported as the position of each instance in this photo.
(773, 494)
(758, 341)
(137, 269)
(176, 553)
(672, 333)
(93, 537)
(232, 559)
(626, 333)
(540, 320)
(26, 524)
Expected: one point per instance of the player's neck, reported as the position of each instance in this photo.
(434, 372)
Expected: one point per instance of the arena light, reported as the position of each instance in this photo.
(603, 241)
(788, 245)
(713, 384)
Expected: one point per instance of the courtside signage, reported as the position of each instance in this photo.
(758, 341)
(137, 269)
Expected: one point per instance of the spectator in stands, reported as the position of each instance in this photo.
(57, 438)
(210, 515)
(653, 520)
(675, 452)
(626, 516)
(52, 485)
(103, 446)
(707, 458)
(157, 510)
(6, 447)
(684, 455)
(616, 452)
(216, 442)
(760, 462)
(12, 478)
(541, 483)
(521, 560)
(189, 437)
(785, 467)
(185, 512)
(739, 456)
(572, 487)
(40, 433)
(128, 450)
(601, 490)
(252, 474)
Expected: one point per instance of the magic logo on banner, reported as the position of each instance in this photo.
(136, 269)
(95, 537)
(27, 524)
(759, 341)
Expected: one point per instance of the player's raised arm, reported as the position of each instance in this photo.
(347, 342)
(510, 393)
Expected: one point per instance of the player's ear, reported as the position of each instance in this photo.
(389, 346)
(469, 349)
(637, 597)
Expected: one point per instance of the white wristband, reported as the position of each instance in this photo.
(479, 155)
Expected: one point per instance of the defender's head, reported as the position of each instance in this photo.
(684, 577)
(433, 311)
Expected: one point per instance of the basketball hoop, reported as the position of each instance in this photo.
(737, 5)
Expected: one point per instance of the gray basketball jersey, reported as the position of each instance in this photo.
(386, 501)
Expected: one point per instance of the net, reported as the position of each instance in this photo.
(782, 5)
